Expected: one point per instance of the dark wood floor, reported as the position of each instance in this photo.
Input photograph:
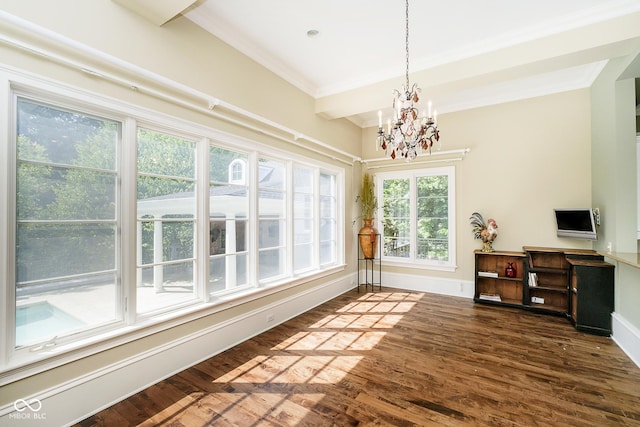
(396, 358)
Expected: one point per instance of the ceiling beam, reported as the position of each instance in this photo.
(574, 48)
(157, 11)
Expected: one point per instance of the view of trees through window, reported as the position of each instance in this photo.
(70, 272)
(66, 217)
(166, 215)
(416, 208)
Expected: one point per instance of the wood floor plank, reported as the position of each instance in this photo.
(400, 358)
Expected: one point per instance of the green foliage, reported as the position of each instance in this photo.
(432, 226)
(33, 178)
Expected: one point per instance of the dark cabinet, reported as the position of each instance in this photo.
(591, 290)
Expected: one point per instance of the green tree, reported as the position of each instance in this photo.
(166, 168)
(33, 195)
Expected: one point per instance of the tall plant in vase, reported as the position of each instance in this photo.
(368, 235)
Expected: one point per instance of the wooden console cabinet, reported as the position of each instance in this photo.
(574, 283)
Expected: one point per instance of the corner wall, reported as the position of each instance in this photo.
(615, 188)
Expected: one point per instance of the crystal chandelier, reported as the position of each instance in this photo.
(411, 133)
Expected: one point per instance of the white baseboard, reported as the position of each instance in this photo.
(425, 283)
(76, 400)
(626, 336)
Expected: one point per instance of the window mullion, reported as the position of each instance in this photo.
(289, 219)
(201, 249)
(7, 221)
(317, 218)
(128, 221)
(252, 177)
(413, 217)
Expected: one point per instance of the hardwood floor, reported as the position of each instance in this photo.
(400, 358)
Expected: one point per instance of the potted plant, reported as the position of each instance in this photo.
(368, 201)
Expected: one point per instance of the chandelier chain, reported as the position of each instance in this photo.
(406, 39)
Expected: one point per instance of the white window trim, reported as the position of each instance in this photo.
(411, 175)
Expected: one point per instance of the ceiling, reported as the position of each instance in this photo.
(463, 53)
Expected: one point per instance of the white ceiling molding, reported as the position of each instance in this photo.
(157, 11)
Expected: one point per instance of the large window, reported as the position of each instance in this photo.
(417, 218)
(303, 218)
(166, 220)
(272, 219)
(119, 220)
(328, 219)
(66, 221)
(228, 220)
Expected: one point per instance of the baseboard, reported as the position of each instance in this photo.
(76, 400)
(626, 336)
(430, 284)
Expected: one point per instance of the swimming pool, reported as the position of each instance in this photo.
(42, 321)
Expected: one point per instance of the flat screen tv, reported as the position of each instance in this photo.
(576, 223)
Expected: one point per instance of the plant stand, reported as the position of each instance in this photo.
(370, 275)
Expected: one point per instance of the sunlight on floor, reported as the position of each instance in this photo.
(286, 382)
(358, 326)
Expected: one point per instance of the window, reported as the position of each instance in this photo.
(84, 174)
(328, 219)
(303, 218)
(228, 220)
(66, 222)
(272, 230)
(166, 221)
(236, 171)
(417, 218)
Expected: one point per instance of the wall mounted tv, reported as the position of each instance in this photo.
(576, 223)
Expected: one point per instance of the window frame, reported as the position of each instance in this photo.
(20, 363)
(412, 175)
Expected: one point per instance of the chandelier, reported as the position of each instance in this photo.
(411, 133)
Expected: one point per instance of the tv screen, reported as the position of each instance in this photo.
(576, 223)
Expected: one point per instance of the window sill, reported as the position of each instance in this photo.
(420, 266)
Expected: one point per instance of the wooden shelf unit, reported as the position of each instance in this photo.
(574, 283)
(499, 290)
(550, 291)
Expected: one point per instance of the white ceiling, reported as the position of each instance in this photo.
(463, 53)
